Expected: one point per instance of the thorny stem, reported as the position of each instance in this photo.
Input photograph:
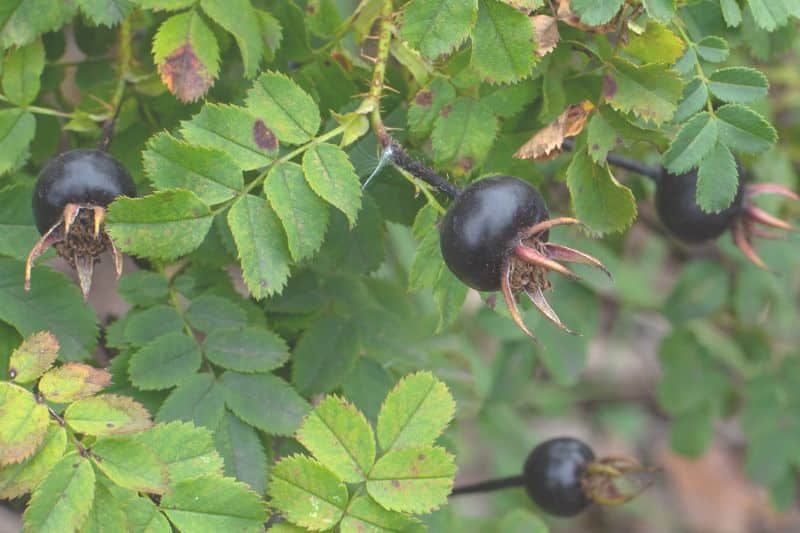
(399, 156)
(490, 485)
(379, 73)
(402, 159)
(623, 162)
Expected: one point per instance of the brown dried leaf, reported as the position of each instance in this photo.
(184, 75)
(73, 381)
(545, 31)
(546, 143)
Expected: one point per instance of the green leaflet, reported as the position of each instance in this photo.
(23, 425)
(163, 225)
(21, 72)
(214, 503)
(436, 27)
(261, 245)
(339, 436)
(64, 498)
(415, 412)
(599, 200)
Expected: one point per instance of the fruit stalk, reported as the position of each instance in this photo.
(490, 485)
(419, 170)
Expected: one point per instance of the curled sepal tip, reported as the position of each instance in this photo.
(616, 480)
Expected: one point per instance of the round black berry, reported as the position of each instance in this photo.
(553, 476)
(676, 203)
(83, 177)
(480, 229)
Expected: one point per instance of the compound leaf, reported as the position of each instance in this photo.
(436, 27)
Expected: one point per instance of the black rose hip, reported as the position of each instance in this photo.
(69, 204)
(495, 237)
(678, 210)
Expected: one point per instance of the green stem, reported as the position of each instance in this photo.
(338, 130)
(44, 110)
(697, 66)
(340, 32)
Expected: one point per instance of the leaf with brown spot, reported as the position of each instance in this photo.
(545, 31)
(73, 381)
(264, 137)
(34, 356)
(414, 480)
(186, 54)
(546, 143)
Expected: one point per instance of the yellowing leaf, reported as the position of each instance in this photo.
(339, 436)
(73, 381)
(21, 478)
(23, 423)
(107, 414)
(63, 499)
(414, 480)
(656, 45)
(307, 493)
(415, 412)
(130, 464)
(33, 357)
(546, 143)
